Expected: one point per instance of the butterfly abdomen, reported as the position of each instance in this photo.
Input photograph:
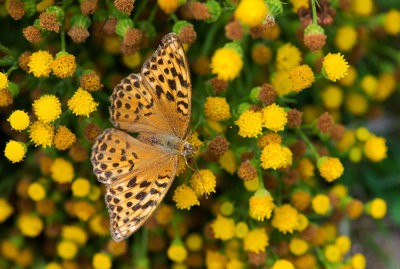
(171, 144)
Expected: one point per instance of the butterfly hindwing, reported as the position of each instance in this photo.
(137, 186)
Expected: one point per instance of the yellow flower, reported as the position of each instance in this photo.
(228, 162)
(350, 78)
(261, 54)
(302, 77)
(369, 84)
(331, 168)
(281, 83)
(306, 169)
(177, 252)
(47, 108)
(215, 260)
(358, 261)
(164, 214)
(91, 81)
(82, 103)
(301, 200)
(343, 243)
(226, 63)
(5, 210)
(185, 197)
(64, 138)
(15, 151)
(297, 4)
(375, 148)
(282, 264)
(288, 56)
(80, 187)
(332, 97)
(391, 23)
(194, 242)
(377, 208)
(62, 171)
(224, 228)
(363, 7)
(251, 12)
(346, 38)
(67, 250)
(41, 134)
(339, 190)
(335, 66)
(261, 205)
(256, 240)
(19, 120)
(250, 124)
(333, 253)
(3, 81)
(252, 185)
(226, 208)
(217, 109)
(53, 265)
(275, 156)
(101, 261)
(356, 104)
(75, 234)
(302, 222)
(64, 65)
(29, 225)
(386, 85)
(234, 264)
(168, 6)
(132, 61)
(5, 98)
(36, 191)
(274, 117)
(83, 210)
(320, 204)
(298, 246)
(203, 182)
(269, 138)
(241, 229)
(347, 141)
(285, 218)
(40, 63)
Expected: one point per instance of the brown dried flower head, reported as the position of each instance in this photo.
(78, 34)
(247, 171)
(78, 152)
(133, 37)
(49, 22)
(23, 60)
(218, 85)
(88, 7)
(16, 10)
(258, 31)
(325, 123)
(199, 11)
(109, 26)
(234, 30)
(32, 34)
(91, 82)
(294, 118)
(125, 6)
(314, 41)
(218, 146)
(257, 259)
(337, 132)
(188, 34)
(267, 94)
(91, 131)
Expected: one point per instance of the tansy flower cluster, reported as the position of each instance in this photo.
(288, 143)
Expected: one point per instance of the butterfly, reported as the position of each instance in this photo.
(156, 104)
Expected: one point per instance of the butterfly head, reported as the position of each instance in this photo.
(188, 150)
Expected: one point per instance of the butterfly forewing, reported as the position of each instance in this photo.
(157, 105)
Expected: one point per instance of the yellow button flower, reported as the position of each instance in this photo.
(62, 171)
(332, 97)
(241, 229)
(224, 228)
(392, 22)
(333, 253)
(29, 225)
(40, 63)
(346, 38)
(285, 218)
(375, 148)
(64, 65)
(343, 243)
(335, 66)
(274, 117)
(288, 56)
(36, 191)
(75, 234)
(302, 77)
(64, 138)
(15, 151)
(256, 240)
(320, 204)
(217, 108)
(283, 264)
(377, 208)
(67, 250)
(5, 210)
(250, 124)
(269, 138)
(298, 246)
(19, 120)
(177, 252)
(168, 6)
(41, 134)
(330, 168)
(3, 81)
(47, 108)
(275, 156)
(194, 242)
(204, 181)
(82, 103)
(80, 187)
(358, 261)
(363, 7)
(226, 63)
(281, 83)
(261, 205)
(101, 261)
(185, 197)
(251, 12)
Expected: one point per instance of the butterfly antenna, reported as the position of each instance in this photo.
(197, 170)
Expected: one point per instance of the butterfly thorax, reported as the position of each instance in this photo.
(171, 144)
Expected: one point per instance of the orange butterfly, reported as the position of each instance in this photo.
(156, 104)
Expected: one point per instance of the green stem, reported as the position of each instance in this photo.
(139, 9)
(6, 50)
(153, 13)
(314, 11)
(63, 37)
(11, 69)
(308, 142)
(210, 38)
(259, 171)
(174, 17)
